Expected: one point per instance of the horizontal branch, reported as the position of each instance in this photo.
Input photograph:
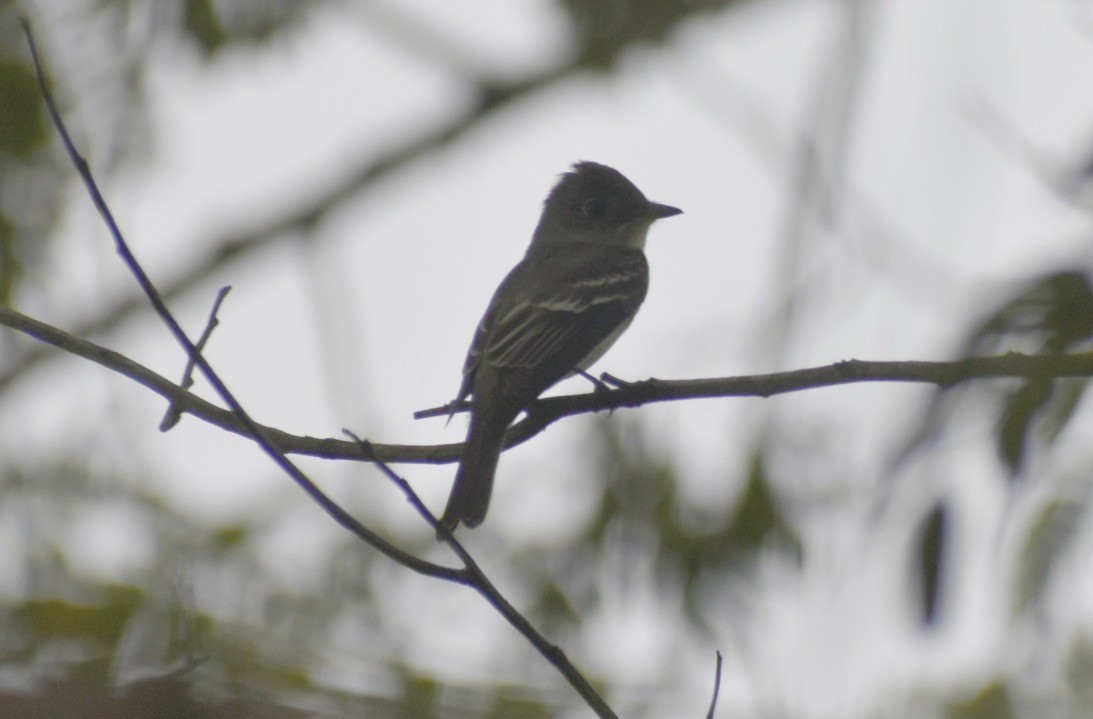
(189, 403)
(549, 410)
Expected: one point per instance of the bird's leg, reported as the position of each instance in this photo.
(605, 382)
(599, 384)
(608, 379)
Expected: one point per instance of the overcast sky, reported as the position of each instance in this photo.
(934, 211)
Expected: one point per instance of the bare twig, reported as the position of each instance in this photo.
(716, 687)
(173, 415)
(183, 400)
(475, 578)
(549, 410)
(447, 410)
(253, 430)
(941, 374)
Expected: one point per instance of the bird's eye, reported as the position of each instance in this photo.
(594, 208)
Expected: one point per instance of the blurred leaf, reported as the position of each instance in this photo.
(990, 703)
(22, 116)
(1052, 315)
(23, 132)
(1039, 409)
(1018, 411)
(756, 524)
(511, 705)
(102, 622)
(1046, 542)
(933, 539)
(1069, 316)
(9, 261)
(1066, 398)
(86, 690)
(640, 487)
(606, 27)
(553, 605)
(643, 493)
(419, 693)
(231, 536)
(757, 514)
(203, 24)
(215, 25)
(1079, 673)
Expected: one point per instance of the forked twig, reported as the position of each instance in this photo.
(253, 430)
(477, 580)
(174, 414)
(470, 575)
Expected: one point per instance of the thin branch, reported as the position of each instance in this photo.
(475, 578)
(173, 415)
(551, 409)
(192, 404)
(253, 430)
(716, 687)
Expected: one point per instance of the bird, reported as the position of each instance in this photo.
(578, 287)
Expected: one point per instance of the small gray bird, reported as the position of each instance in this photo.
(581, 282)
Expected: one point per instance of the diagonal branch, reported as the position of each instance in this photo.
(252, 429)
(172, 416)
(716, 686)
(480, 582)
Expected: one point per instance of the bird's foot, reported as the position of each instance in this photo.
(598, 384)
(609, 380)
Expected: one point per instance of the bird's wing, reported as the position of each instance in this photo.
(578, 316)
(552, 312)
(571, 305)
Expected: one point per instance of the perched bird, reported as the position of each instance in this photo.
(578, 287)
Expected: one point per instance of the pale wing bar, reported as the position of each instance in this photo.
(535, 328)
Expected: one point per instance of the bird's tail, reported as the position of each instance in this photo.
(470, 497)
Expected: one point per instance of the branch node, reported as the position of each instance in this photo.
(174, 414)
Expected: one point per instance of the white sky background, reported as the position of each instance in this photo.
(373, 322)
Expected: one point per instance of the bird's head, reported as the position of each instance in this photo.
(596, 203)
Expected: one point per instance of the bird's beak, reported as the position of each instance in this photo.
(658, 211)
